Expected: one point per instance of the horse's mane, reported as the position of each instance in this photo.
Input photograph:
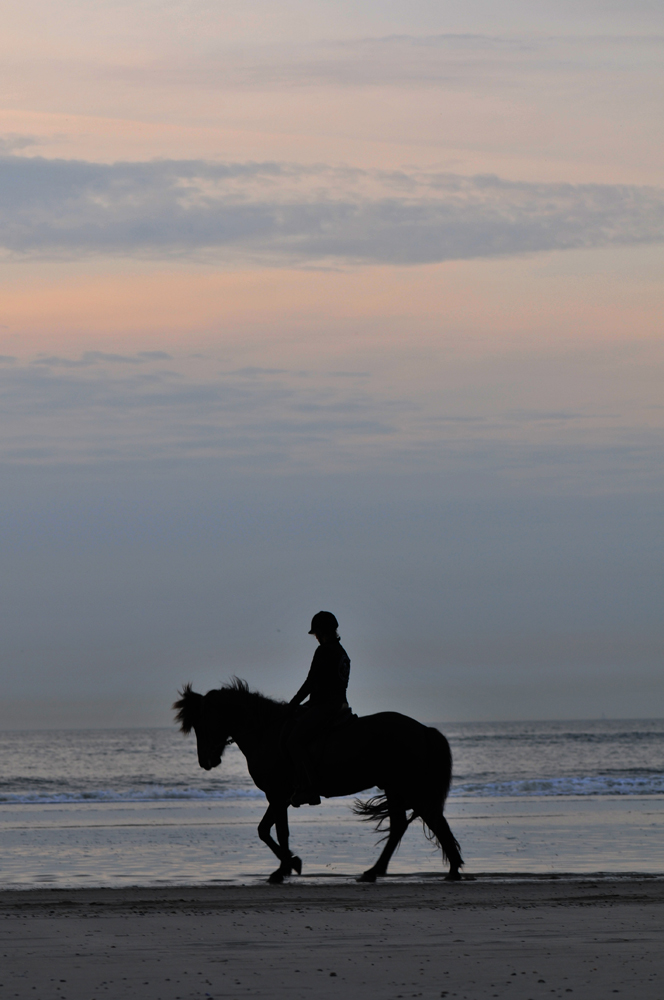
(189, 706)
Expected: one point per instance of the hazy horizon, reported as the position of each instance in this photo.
(428, 722)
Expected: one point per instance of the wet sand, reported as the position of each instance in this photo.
(80, 845)
(497, 936)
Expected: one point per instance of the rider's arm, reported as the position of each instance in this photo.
(318, 664)
(301, 694)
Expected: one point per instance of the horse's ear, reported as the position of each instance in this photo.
(187, 708)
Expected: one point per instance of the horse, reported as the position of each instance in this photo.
(411, 764)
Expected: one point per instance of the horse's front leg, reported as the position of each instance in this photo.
(283, 833)
(277, 814)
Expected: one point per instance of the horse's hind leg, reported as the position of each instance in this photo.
(398, 826)
(278, 815)
(448, 842)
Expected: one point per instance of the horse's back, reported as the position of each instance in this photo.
(396, 724)
(388, 735)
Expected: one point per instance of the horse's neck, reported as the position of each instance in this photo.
(251, 724)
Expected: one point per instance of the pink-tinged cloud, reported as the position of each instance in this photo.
(283, 213)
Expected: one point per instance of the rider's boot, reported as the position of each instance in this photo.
(305, 792)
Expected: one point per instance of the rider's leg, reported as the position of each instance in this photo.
(304, 732)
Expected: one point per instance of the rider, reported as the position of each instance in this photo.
(325, 685)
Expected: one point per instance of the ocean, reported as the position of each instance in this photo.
(132, 807)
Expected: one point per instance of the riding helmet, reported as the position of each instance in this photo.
(323, 623)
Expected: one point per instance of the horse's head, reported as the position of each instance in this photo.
(202, 714)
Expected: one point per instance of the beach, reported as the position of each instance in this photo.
(525, 937)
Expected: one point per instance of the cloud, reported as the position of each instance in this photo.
(14, 142)
(102, 408)
(450, 60)
(254, 372)
(89, 358)
(147, 416)
(286, 214)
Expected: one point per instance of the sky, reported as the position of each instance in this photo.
(343, 306)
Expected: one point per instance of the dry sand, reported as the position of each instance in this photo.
(527, 939)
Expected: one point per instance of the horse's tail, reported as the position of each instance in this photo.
(374, 810)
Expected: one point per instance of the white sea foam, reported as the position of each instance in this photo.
(647, 784)
(150, 794)
(597, 784)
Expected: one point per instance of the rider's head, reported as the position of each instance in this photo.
(324, 626)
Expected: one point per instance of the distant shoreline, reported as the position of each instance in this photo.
(169, 727)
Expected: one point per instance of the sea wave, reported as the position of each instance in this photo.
(533, 787)
(154, 793)
(597, 784)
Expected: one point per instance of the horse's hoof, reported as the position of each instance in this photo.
(276, 878)
(453, 877)
(296, 864)
(366, 877)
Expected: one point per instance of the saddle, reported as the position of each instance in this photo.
(344, 718)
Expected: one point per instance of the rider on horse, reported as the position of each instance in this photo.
(325, 685)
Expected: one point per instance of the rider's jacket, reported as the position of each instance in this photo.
(328, 675)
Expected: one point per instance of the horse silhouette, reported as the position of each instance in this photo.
(409, 762)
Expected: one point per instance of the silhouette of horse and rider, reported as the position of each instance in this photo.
(297, 753)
